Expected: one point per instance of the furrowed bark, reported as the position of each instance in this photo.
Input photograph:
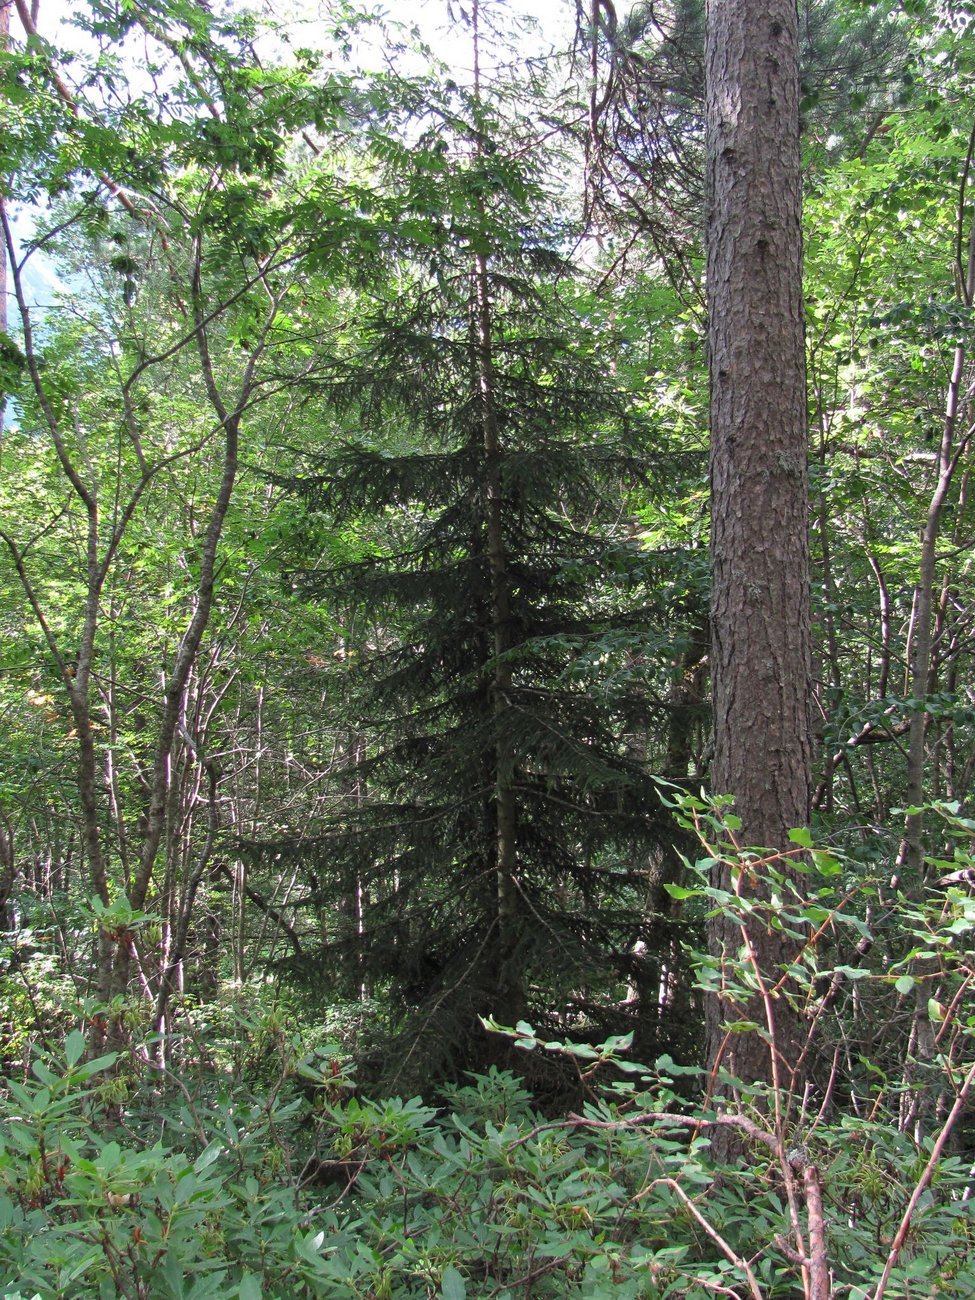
(761, 642)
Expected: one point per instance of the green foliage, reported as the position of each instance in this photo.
(480, 669)
(350, 718)
(219, 1187)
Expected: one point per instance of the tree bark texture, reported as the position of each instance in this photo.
(760, 597)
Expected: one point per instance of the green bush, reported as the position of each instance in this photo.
(260, 1172)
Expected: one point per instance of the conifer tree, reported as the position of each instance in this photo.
(500, 822)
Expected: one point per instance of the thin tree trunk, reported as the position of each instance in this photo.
(509, 992)
(229, 419)
(5, 7)
(184, 910)
(656, 981)
(920, 1102)
(509, 995)
(911, 855)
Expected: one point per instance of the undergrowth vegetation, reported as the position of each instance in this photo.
(249, 1164)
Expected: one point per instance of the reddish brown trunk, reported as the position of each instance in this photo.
(760, 604)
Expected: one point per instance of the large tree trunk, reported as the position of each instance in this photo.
(760, 603)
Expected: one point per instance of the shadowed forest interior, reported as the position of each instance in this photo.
(486, 649)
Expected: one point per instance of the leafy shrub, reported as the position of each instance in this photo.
(259, 1172)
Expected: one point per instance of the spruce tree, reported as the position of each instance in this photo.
(499, 826)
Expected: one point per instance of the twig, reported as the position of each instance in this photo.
(819, 1288)
(713, 1233)
(901, 1235)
